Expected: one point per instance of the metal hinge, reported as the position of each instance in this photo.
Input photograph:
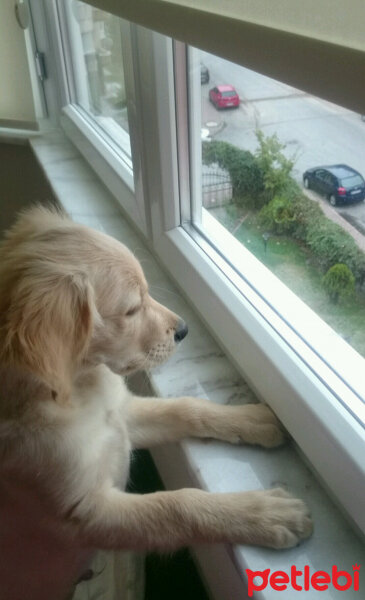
(40, 62)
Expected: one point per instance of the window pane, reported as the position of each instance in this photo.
(283, 172)
(97, 62)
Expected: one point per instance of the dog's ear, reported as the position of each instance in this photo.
(49, 326)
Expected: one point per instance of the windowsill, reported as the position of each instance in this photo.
(201, 369)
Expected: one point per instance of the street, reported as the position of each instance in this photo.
(315, 132)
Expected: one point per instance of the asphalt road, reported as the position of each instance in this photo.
(316, 132)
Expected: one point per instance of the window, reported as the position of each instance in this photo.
(90, 92)
(229, 265)
(257, 319)
(256, 178)
(97, 68)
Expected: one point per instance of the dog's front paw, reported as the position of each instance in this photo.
(286, 519)
(275, 519)
(255, 424)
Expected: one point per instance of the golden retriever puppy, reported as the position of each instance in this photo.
(75, 317)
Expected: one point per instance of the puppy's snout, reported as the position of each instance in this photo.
(181, 331)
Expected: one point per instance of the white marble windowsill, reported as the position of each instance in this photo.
(200, 368)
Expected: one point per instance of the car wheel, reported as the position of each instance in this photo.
(306, 183)
(333, 200)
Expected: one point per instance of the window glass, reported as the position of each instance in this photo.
(258, 180)
(97, 63)
(352, 180)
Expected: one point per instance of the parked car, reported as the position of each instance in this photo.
(204, 74)
(224, 96)
(339, 183)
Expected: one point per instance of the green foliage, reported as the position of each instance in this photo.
(332, 245)
(303, 219)
(246, 176)
(255, 179)
(263, 182)
(278, 215)
(306, 211)
(273, 163)
(338, 282)
(290, 213)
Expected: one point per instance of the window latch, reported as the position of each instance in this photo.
(40, 62)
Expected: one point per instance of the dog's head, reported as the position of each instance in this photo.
(71, 296)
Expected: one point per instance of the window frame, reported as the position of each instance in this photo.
(327, 434)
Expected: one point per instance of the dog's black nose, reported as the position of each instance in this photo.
(181, 331)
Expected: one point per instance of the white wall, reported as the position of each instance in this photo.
(16, 99)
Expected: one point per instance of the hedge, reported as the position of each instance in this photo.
(332, 245)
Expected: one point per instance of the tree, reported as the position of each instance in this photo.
(274, 165)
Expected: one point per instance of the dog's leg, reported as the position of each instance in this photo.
(111, 519)
(152, 421)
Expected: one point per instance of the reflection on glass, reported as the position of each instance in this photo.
(98, 64)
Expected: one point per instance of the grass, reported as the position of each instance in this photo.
(292, 264)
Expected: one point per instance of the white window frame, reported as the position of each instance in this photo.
(330, 437)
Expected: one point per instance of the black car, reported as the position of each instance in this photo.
(204, 74)
(339, 183)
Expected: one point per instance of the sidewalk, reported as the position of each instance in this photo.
(212, 119)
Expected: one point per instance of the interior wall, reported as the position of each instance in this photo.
(21, 182)
(16, 98)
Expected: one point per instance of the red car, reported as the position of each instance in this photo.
(224, 96)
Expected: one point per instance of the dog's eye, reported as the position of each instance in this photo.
(132, 311)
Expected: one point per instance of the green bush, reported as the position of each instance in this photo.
(332, 245)
(302, 218)
(338, 282)
(246, 176)
(256, 179)
(291, 212)
(278, 216)
(306, 211)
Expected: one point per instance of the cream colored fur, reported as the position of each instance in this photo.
(75, 316)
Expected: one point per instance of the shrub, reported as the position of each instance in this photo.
(291, 212)
(338, 282)
(279, 215)
(306, 212)
(246, 176)
(332, 245)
